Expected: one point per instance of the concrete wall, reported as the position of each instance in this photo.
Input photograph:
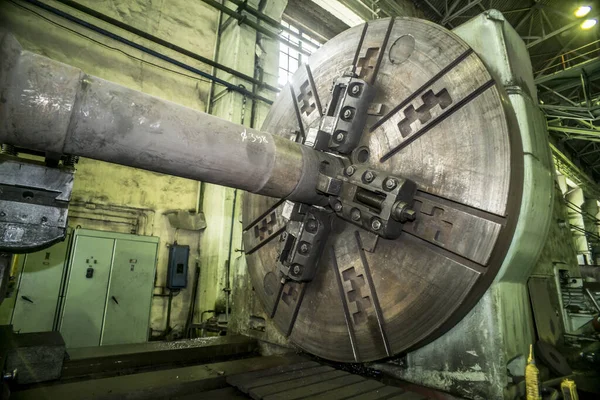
(252, 54)
(112, 197)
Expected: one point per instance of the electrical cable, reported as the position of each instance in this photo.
(144, 49)
(111, 47)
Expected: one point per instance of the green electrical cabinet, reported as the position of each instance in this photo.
(38, 295)
(109, 292)
(129, 293)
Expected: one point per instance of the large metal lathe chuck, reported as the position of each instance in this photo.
(436, 117)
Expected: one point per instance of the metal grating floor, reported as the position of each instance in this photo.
(315, 381)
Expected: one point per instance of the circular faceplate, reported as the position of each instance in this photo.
(439, 119)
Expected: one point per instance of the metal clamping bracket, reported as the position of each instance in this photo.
(371, 199)
(342, 126)
(302, 241)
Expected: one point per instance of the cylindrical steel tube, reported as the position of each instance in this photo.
(53, 107)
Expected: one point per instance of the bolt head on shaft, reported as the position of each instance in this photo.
(355, 214)
(402, 213)
(350, 170)
(339, 137)
(409, 214)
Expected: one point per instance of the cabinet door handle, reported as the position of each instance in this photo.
(27, 299)
(115, 299)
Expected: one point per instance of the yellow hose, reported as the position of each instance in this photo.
(532, 378)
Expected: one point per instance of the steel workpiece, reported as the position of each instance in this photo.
(56, 108)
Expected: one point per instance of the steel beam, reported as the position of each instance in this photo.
(243, 19)
(558, 31)
(592, 133)
(524, 18)
(457, 14)
(53, 107)
(433, 8)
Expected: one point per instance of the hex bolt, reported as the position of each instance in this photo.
(355, 214)
(337, 206)
(350, 170)
(339, 137)
(348, 114)
(312, 225)
(356, 89)
(368, 176)
(303, 248)
(390, 183)
(296, 269)
(376, 224)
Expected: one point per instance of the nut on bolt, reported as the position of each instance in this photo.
(296, 269)
(390, 183)
(304, 248)
(348, 113)
(312, 225)
(355, 89)
(337, 206)
(339, 137)
(376, 224)
(350, 170)
(355, 214)
(368, 176)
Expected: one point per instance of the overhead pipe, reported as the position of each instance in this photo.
(53, 107)
(162, 42)
(114, 36)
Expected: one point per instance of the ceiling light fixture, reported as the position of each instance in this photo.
(582, 11)
(588, 23)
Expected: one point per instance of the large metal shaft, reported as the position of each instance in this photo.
(53, 107)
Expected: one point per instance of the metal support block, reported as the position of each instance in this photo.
(37, 357)
(34, 204)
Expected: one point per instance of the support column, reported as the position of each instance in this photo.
(241, 48)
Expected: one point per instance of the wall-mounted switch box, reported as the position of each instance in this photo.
(177, 270)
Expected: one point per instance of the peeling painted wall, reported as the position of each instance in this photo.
(117, 198)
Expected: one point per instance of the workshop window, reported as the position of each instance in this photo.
(290, 58)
